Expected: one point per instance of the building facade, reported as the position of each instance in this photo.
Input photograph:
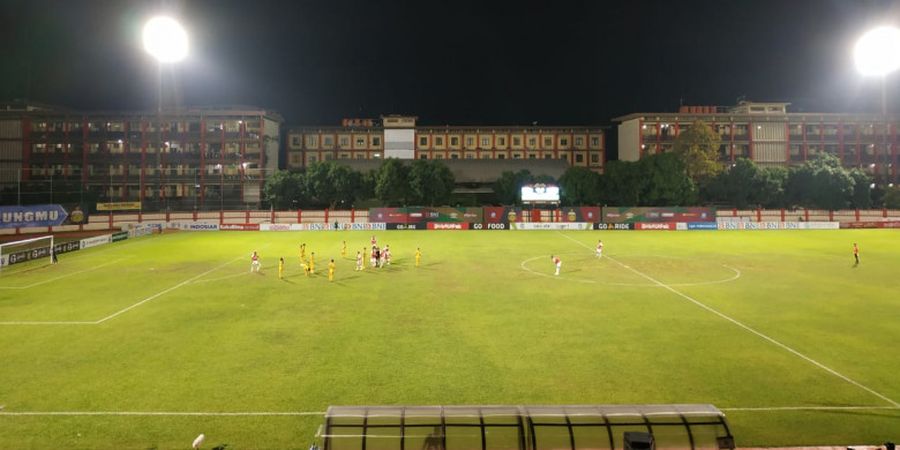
(185, 159)
(401, 137)
(770, 135)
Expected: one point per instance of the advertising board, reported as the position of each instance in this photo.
(95, 241)
(657, 214)
(551, 226)
(406, 226)
(614, 226)
(489, 226)
(32, 216)
(239, 227)
(448, 225)
(654, 226)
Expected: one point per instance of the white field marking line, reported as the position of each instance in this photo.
(161, 293)
(737, 274)
(811, 408)
(749, 329)
(161, 413)
(63, 276)
(117, 313)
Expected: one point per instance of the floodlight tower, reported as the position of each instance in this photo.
(877, 53)
(167, 41)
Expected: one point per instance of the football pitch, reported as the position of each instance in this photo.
(149, 342)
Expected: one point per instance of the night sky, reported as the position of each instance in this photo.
(448, 62)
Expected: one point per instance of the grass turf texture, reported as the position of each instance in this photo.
(482, 321)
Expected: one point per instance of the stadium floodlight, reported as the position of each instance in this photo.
(877, 52)
(165, 39)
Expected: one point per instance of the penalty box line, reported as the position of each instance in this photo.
(129, 308)
(746, 327)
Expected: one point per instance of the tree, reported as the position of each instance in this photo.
(284, 189)
(667, 183)
(391, 183)
(820, 183)
(862, 189)
(892, 198)
(430, 183)
(698, 148)
(579, 186)
(622, 184)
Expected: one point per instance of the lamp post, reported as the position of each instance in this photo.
(877, 53)
(167, 41)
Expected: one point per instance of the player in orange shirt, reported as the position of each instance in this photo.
(557, 262)
(856, 253)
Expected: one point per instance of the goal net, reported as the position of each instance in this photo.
(39, 250)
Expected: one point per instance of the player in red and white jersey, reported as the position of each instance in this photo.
(373, 257)
(599, 248)
(254, 262)
(374, 241)
(359, 261)
(557, 262)
(387, 254)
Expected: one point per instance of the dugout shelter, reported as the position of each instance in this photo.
(596, 427)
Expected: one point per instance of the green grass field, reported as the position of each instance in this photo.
(177, 324)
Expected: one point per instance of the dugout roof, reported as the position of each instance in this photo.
(523, 427)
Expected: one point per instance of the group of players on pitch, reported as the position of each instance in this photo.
(378, 258)
(558, 262)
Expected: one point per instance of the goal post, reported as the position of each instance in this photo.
(35, 249)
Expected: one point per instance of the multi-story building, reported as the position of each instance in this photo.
(400, 137)
(194, 158)
(770, 135)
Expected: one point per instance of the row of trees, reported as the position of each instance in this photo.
(332, 185)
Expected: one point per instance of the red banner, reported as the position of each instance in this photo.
(448, 225)
(654, 226)
(872, 224)
(494, 214)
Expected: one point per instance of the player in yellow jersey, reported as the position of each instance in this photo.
(305, 268)
(312, 262)
(280, 268)
(331, 271)
(418, 255)
(344, 249)
(303, 251)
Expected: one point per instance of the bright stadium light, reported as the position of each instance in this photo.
(165, 39)
(877, 54)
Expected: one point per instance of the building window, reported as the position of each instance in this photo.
(548, 142)
(312, 141)
(595, 141)
(423, 156)
(438, 156)
(486, 142)
(454, 156)
(485, 156)
(516, 141)
(579, 158)
(470, 156)
(454, 141)
(344, 142)
(328, 141)
(327, 157)
(360, 156)
(532, 156)
(579, 142)
(295, 141)
(423, 141)
(439, 141)
(532, 142)
(595, 159)
(360, 142)
(501, 156)
(563, 142)
(501, 141)
(376, 141)
(470, 141)
(311, 159)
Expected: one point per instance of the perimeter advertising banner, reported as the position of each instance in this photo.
(418, 214)
(32, 216)
(119, 206)
(579, 214)
(628, 214)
